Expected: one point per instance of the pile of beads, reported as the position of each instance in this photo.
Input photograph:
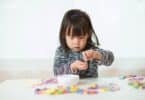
(135, 81)
(127, 76)
(51, 91)
(57, 90)
(91, 89)
(45, 82)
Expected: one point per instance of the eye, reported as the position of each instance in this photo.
(81, 37)
(69, 37)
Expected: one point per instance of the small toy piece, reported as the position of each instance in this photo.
(91, 89)
(135, 81)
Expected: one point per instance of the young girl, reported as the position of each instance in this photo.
(78, 53)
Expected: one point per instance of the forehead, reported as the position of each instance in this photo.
(75, 31)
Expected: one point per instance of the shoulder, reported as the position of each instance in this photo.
(60, 50)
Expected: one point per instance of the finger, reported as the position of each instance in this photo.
(90, 53)
(85, 56)
(84, 66)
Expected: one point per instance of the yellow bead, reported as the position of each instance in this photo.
(73, 88)
(93, 86)
(102, 90)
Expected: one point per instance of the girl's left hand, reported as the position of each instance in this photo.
(91, 54)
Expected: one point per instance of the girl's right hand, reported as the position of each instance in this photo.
(79, 65)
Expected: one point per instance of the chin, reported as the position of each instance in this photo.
(77, 50)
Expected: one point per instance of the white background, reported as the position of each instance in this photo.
(29, 28)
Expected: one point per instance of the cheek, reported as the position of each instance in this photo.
(68, 41)
(83, 42)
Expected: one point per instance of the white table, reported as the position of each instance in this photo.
(22, 90)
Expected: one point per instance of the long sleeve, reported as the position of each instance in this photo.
(61, 63)
(107, 57)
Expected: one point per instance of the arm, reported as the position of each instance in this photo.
(61, 63)
(107, 57)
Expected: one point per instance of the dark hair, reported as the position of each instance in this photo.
(80, 24)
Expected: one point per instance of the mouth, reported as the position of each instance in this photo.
(77, 47)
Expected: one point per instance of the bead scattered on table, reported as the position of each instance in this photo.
(91, 89)
(44, 82)
(135, 81)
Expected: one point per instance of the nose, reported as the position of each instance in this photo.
(76, 40)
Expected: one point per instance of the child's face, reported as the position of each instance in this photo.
(76, 43)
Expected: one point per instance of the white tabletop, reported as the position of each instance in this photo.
(22, 90)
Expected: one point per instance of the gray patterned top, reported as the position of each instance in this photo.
(63, 60)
